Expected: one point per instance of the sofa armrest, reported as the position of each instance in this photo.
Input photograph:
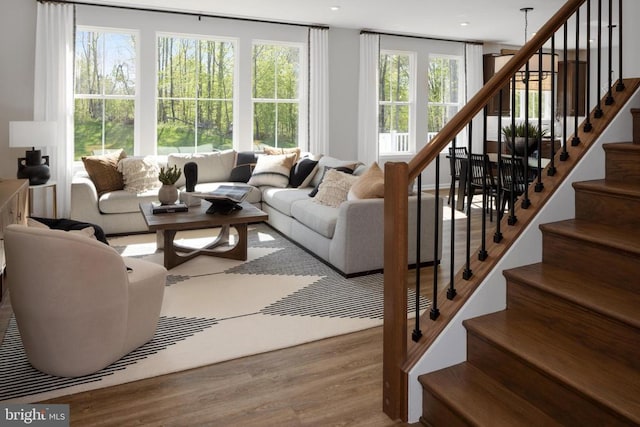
(84, 200)
(358, 243)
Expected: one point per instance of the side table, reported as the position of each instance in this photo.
(53, 185)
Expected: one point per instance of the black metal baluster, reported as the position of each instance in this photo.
(565, 154)
(552, 165)
(417, 333)
(525, 197)
(539, 185)
(434, 312)
(512, 198)
(482, 254)
(610, 99)
(466, 275)
(587, 124)
(598, 113)
(451, 292)
(620, 85)
(576, 84)
(497, 237)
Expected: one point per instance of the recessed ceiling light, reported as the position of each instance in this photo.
(464, 24)
(334, 8)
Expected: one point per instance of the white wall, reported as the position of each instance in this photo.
(17, 50)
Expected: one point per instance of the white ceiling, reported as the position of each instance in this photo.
(497, 21)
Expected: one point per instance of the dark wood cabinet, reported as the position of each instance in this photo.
(493, 107)
(570, 68)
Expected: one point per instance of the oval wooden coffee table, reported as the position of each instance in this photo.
(166, 225)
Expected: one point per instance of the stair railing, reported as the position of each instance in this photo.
(402, 349)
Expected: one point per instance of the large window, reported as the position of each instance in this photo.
(276, 88)
(445, 91)
(395, 102)
(195, 94)
(105, 91)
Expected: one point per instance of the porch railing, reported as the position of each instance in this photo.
(404, 347)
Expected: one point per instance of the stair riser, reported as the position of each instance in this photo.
(538, 389)
(622, 165)
(607, 208)
(436, 413)
(606, 334)
(602, 262)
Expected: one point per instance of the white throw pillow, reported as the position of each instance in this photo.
(140, 173)
(334, 188)
(272, 171)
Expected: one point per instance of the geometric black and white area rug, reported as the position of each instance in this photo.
(217, 309)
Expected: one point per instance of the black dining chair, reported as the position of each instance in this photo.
(482, 180)
(455, 166)
(512, 179)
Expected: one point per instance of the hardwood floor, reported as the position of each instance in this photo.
(333, 382)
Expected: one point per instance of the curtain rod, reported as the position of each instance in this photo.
(184, 13)
(420, 37)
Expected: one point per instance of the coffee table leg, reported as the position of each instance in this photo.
(238, 251)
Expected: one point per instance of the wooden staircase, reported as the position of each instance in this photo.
(566, 351)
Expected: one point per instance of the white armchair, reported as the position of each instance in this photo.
(77, 307)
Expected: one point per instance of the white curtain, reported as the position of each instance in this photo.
(319, 90)
(53, 90)
(474, 67)
(368, 98)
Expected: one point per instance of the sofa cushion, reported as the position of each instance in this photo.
(254, 196)
(212, 167)
(103, 171)
(271, 151)
(116, 202)
(302, 173)
(272, 171)
(281, 199)
(319, 218)
(334, 188)
(345, 169)
(369, 185)
(140, 174)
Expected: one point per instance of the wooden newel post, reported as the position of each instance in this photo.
(396, 207)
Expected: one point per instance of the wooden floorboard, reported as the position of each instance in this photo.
(332, 382)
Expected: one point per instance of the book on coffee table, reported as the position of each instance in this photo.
(233, 193)
(158, 208)
(225, 199)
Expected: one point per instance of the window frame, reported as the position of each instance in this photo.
(302, 90)
(461, 96)
(234, 99)
(104, 97)
(410, 103)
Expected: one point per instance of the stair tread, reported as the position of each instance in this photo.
(580, 288)
(628, 146)
(618, 237)
(560, 350)
(620, 188)
(469, 391)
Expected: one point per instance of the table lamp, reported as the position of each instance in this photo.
(33, 166)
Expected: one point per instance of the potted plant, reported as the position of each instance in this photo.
(516, 137)
(168, 193)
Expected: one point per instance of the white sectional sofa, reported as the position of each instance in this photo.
(348, 237)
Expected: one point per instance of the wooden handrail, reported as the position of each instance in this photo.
(498, 81)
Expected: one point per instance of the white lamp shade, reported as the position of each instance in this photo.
(32, 134)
